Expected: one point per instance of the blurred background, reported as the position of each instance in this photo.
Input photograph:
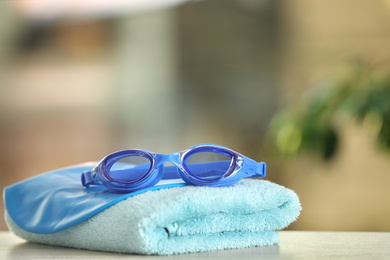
(302, 85)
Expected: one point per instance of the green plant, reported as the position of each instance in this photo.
(359, 93)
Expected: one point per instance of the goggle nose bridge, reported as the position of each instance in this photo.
(161, 159)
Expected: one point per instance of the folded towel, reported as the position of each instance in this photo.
(181, 220)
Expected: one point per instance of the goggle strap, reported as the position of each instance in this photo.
(261, 169)
(252, 168)
(86, 179)
(170, 173)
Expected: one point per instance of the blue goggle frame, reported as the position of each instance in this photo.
(240, 167)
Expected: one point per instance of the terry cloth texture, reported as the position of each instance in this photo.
(183, 220)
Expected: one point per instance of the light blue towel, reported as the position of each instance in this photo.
(183, 220)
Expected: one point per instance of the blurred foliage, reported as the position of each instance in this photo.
(358, 92)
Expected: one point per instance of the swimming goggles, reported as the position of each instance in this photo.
(201, 165)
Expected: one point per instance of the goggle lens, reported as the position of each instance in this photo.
(208, 166)
(130, 169)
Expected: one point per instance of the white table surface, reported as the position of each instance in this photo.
(293, 245)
